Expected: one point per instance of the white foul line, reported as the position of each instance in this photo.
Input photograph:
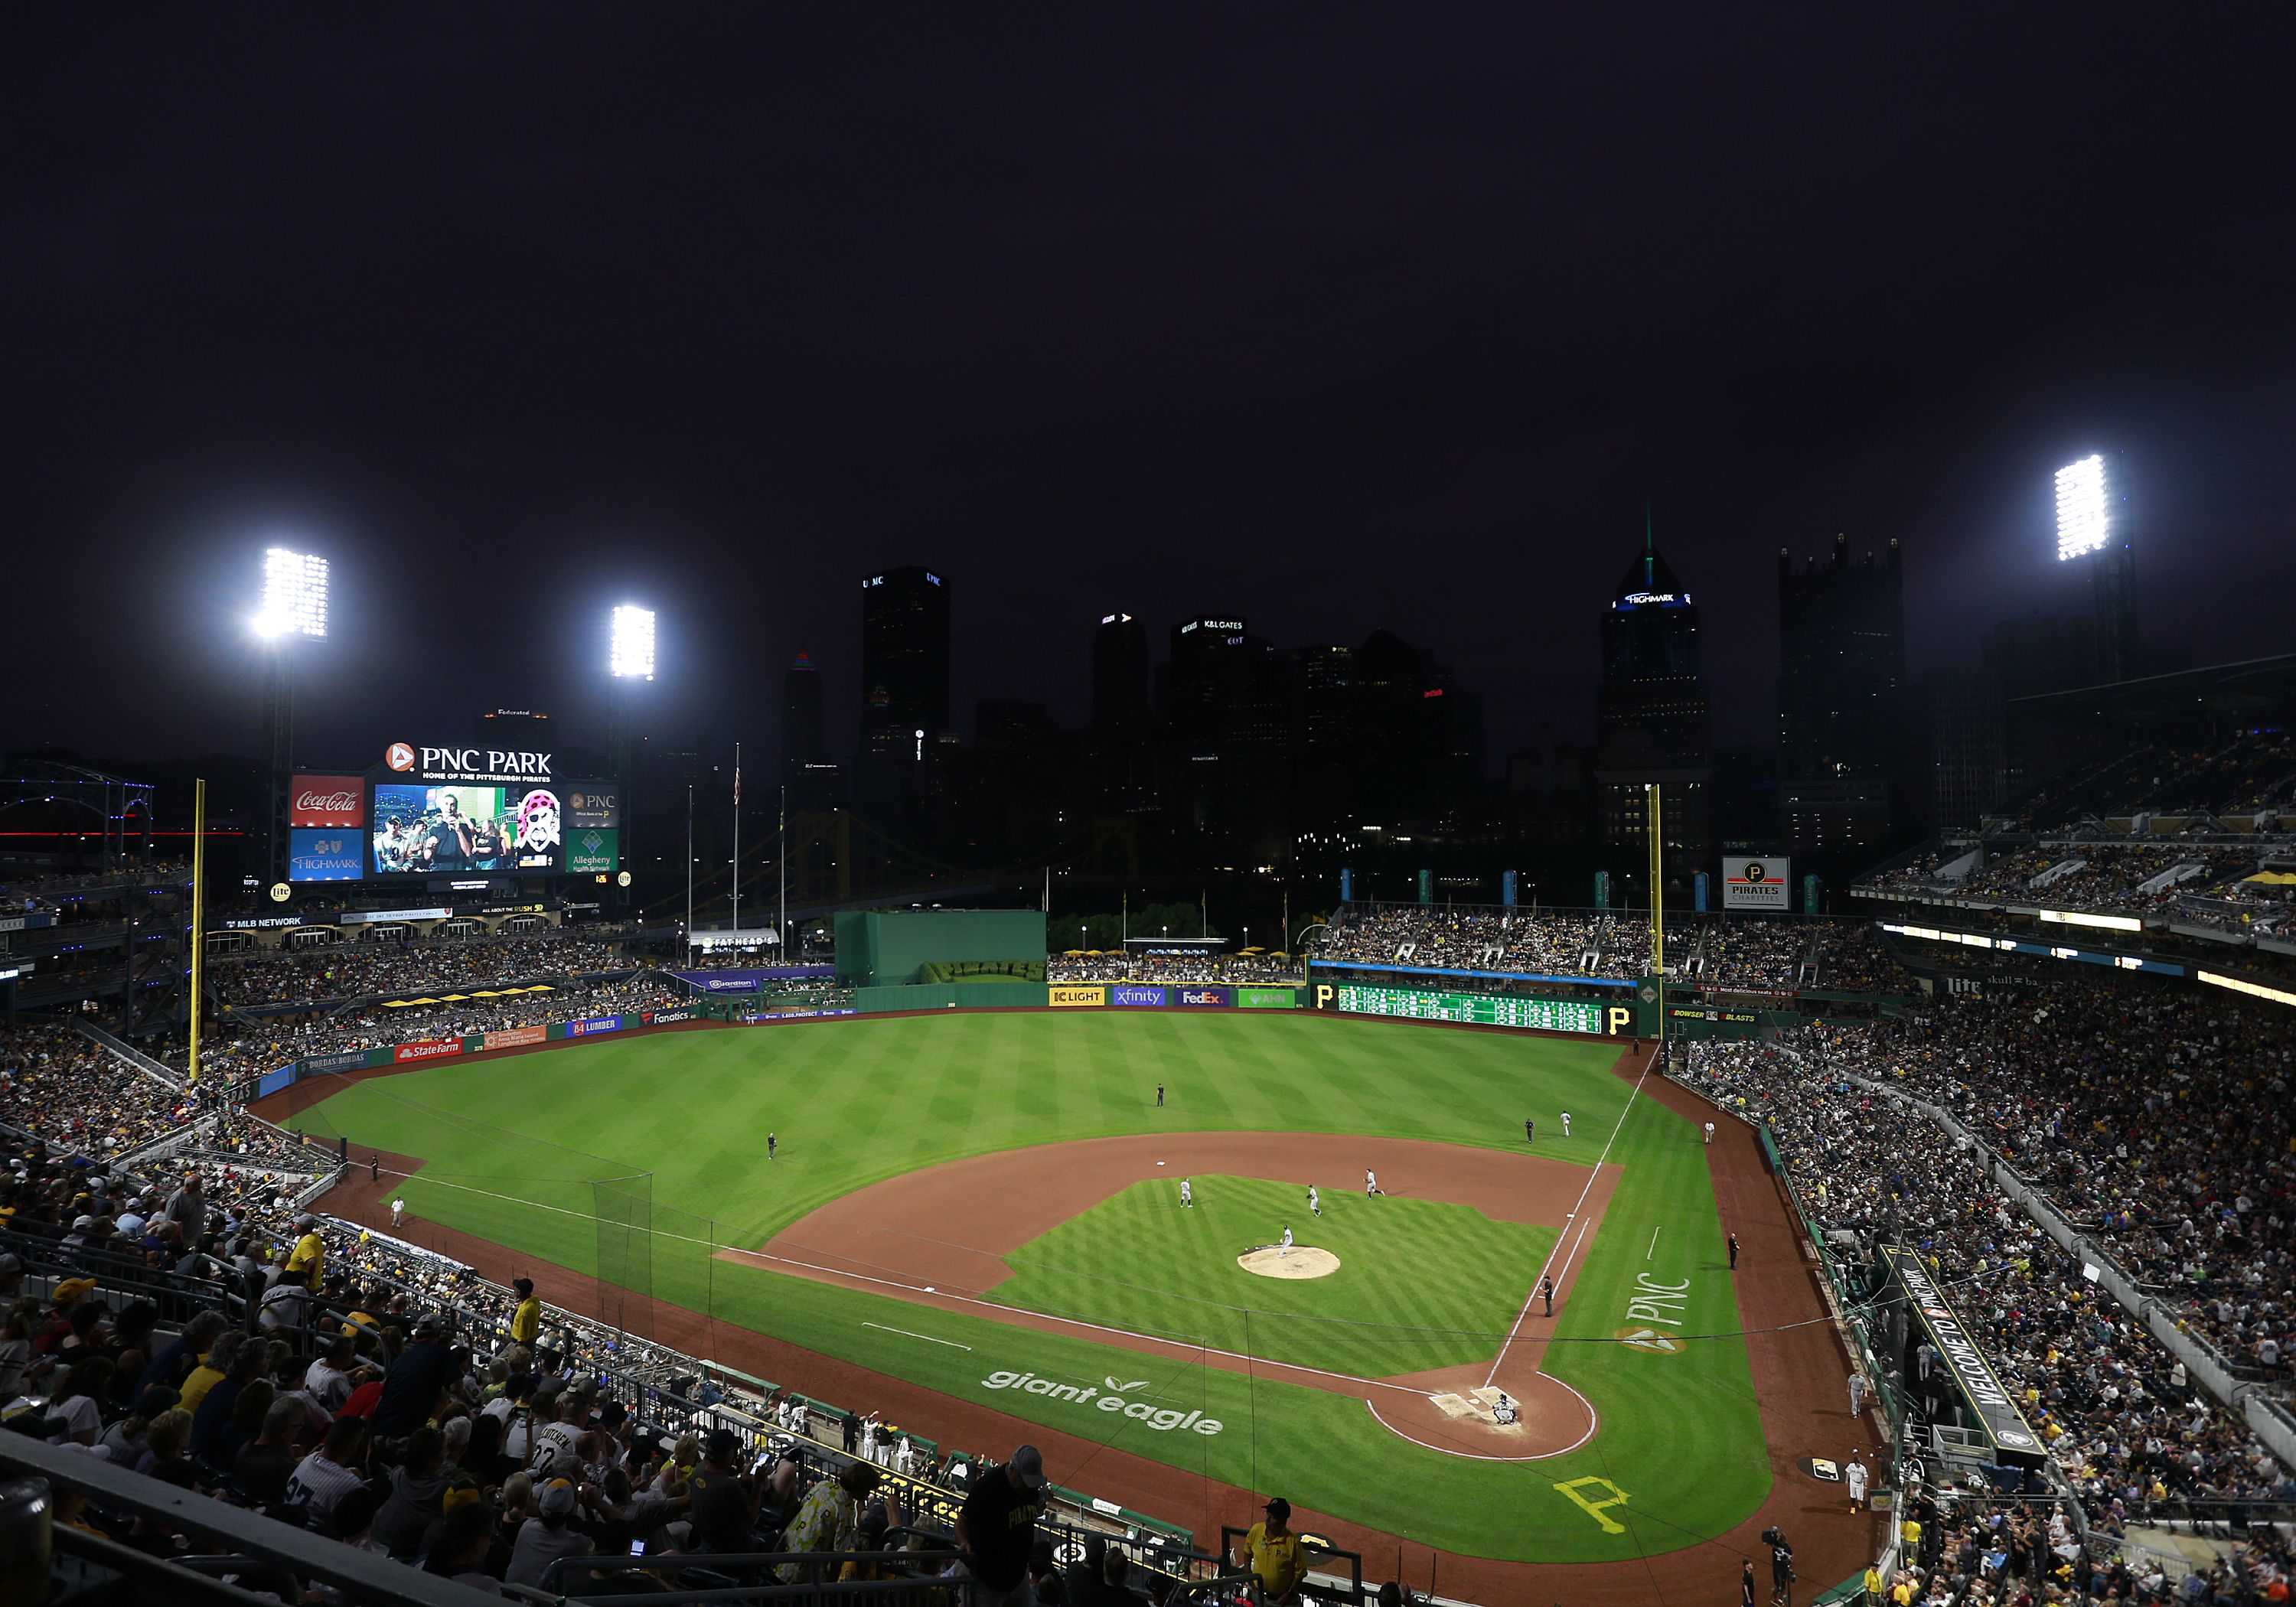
(928, 1338)
(1654, 1248)
(1616, 1127)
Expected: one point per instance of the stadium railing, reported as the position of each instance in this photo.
(130, 1053)
(722, 1575)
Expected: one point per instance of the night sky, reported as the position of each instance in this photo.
(1336, 319)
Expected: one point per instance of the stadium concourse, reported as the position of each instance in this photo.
(2160, 1120)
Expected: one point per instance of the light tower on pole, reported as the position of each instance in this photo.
(2088, 532)
(294, 605)
(629, 660)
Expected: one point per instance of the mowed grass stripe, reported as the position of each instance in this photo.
(856, 1102)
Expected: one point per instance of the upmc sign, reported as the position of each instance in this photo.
(327, 800)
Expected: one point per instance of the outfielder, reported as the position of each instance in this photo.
(1284, 1247)
(1530, 1130)
(1315, 1202)
(1566, 1124)
(1187, 1194)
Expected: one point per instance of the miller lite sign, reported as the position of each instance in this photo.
(327, 800)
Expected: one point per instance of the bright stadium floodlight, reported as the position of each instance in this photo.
(294, 594)
(2082, 524)
(633, 641)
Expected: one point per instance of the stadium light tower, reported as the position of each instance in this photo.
(629, 660)
(2086, 533)
(293, 606)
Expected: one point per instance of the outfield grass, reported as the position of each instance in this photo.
(1420, 1283)
(517, 1146)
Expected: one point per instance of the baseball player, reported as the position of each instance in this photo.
(1315, 1202)
(1284, 1247)
(1187, 1194)
(1709, 1132)
(1530, 1130)
(1547, 1288)
(1566, 1124)
(1855, 1475)
(397, 1211)
(772, 1144)
(1371, 1183)
(1160, 1097)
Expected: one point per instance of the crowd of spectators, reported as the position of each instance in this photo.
(25, 893)
(66, 1087)
(2244, 774)
(1114, 967)
(2118, 1413)
(346, 971)
(242, 1049)
(1538, 942)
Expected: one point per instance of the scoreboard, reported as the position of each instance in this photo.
(1483, 1009)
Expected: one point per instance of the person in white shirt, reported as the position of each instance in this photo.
(328, 1379)
(1709, 1132)
(331, 1472)
(1566, 1124)
(1855, 1476)
(397, 1213)
(556, 1443)
(1285, 1248)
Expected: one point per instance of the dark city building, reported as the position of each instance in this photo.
(1119, 677)
(1650, 713)
(1842, 671)
(1204, 650)
(814, 781)
(905, 679)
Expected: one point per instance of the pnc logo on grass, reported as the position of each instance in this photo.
(1650, 1338)
(1164, 1420)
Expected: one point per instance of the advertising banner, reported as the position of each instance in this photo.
(594, 1025)
(329, 856)
(427, 1049)
(345, 1059)
(1204, 996)
(414, 762)
(327, 800)
(1267, 998)
(1758, 882)
(745, 979)
(238, 923)
(593, 850)
(368, 917)
(662, 1018)
(1995, 1409)
(271, 1082)
(1136, 995)
(515, 1037)
(1062, 995)
(593, 803)
(33, 922)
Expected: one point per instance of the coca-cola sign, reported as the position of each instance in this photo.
(328, 800)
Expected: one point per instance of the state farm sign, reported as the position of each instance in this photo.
(327, 800)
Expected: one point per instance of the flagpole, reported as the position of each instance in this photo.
(782, 952)
(689, 873)
(737, 847)
(199, 917)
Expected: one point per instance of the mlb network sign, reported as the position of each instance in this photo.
(1758, 883)
(466, 764)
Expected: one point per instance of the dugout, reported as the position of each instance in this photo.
(892, 948)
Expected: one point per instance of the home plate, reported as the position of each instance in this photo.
(1453, 1406)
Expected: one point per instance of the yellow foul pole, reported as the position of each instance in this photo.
(199, 914)
(1654, 818)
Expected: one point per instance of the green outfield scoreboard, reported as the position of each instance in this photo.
(1481, 1009)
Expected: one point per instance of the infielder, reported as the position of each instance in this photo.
(1371, 1183)
(1187, 1194)
(1315, 1202)
(1284, 1247)
(1566, 1124)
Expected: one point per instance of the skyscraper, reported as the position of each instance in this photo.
(1119, 677)
(905, 675)
(814, 781)
(1842, 709)
(1650, 713)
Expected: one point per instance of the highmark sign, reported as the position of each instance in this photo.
(1111, 1399)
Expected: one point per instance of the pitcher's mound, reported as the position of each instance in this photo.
(1305, 1261)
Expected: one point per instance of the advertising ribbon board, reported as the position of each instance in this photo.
(1481, 1009)
(2013, 1441)
(342, 1060)
(1267, 998)
(1061, 996)
(594, 1025)
(662, 1018)
(427, 1049)
(515, 1037)
(1204, 998)
(1134, 994)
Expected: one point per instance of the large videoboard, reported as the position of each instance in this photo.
(455, 831)
(1481, 1009)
